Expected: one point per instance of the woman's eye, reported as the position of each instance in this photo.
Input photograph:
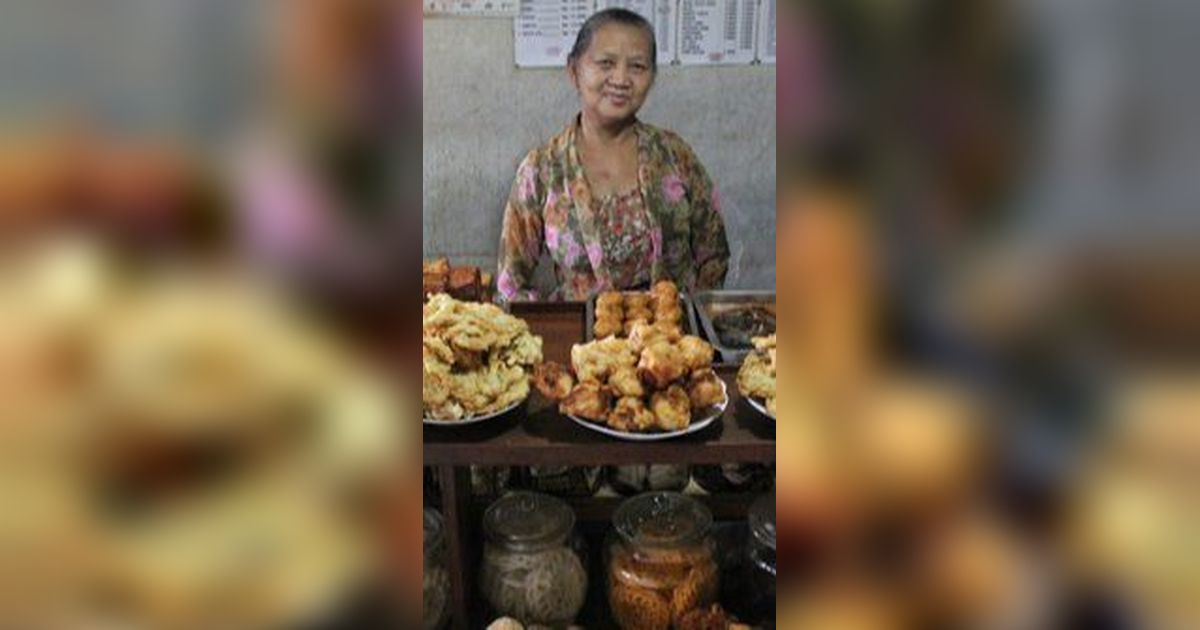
(606, 63)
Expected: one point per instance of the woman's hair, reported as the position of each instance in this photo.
(603, 18)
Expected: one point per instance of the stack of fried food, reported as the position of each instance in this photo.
(463, 283)
(756, 378)
(475, 358)
(652, 381)
(617, 313)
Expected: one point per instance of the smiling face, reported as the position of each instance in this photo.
(614, 74)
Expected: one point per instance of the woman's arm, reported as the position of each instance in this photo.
(521, 237)
(710, 248)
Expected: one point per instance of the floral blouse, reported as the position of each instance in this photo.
(598, 245)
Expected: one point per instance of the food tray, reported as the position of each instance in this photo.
(690, 326)
(709, 303)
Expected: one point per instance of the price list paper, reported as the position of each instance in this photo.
(766, 32)
(661, 14)
(545, 30)
(475, 8)
(717, 31)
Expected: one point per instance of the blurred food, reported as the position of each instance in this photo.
(658, 387)
(756, 377)
(476, 358)
(201, 438)
(618, 314)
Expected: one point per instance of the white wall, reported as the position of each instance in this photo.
(482, 114)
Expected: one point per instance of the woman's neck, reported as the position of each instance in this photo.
(612, 134)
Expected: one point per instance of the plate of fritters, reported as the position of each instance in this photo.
(756, 377)
(476, 361)
(657, 384)
(615, 313)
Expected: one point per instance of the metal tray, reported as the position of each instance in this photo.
(709, 303)
(690, 326)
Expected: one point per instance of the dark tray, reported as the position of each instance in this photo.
(707, 302)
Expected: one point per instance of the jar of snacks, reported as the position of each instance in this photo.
(761, 558)
(435, 576)
(661, 564)
(639, 478)
(533, 568)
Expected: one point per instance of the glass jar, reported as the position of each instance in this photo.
(435, 576)
(660, 560)
(565, 481)
(729, 478)
(489, 481)
(761, 558)
(639, 478)
(533, 569)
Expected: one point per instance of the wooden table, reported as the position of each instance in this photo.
(537, 435)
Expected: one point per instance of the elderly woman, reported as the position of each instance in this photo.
(617, 203)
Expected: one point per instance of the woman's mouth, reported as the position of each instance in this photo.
(618, 99)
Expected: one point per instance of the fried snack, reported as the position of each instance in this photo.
(630, 324)
(475, 358)
(643, 334)
(553, 380)
(698, 589)
(607, 326)
(440, 266)
(464, 283)
(696, 352)
(610, 301)
(638, 302)
(433, 284)
(639, 608)
(624, 381)
(631, 414)
(589, 400)
(670, 313)
(661, 364)
(713, 618)
(705, 389)
(756, 377)
(672, 409)
(596, 360)
(665, 290)
(655, 573)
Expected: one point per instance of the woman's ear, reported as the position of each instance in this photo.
(573, 73)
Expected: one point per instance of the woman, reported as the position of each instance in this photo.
(617, 203)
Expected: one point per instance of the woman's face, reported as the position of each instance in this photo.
(614, 74)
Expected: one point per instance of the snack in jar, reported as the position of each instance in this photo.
(661, 563)
(533, 570)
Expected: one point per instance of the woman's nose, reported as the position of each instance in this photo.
(620, 75)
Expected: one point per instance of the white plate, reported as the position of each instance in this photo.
(760, 406)
(696, 425)
(474, 419)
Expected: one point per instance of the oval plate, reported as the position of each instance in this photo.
(760, 407)
(473, 419)
(696, 425)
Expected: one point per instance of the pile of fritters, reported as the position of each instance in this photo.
(652, 381)
(617, 313)
(756, 378)
(475, 358)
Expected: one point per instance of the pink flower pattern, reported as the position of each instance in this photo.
(673, 188)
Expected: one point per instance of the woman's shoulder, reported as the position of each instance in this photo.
(668, 139)
(551, 149)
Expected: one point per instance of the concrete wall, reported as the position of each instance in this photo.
(482, 114)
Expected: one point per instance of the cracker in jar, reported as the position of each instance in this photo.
(639, 609)
(698, 589)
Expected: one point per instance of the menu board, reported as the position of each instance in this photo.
(717, 31)
(766, 32)
(545, 30)
(661, 14)
(481, 8)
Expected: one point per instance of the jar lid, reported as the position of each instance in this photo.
(528, 520)
(432, 529)
(662, 519)
(762, 520)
